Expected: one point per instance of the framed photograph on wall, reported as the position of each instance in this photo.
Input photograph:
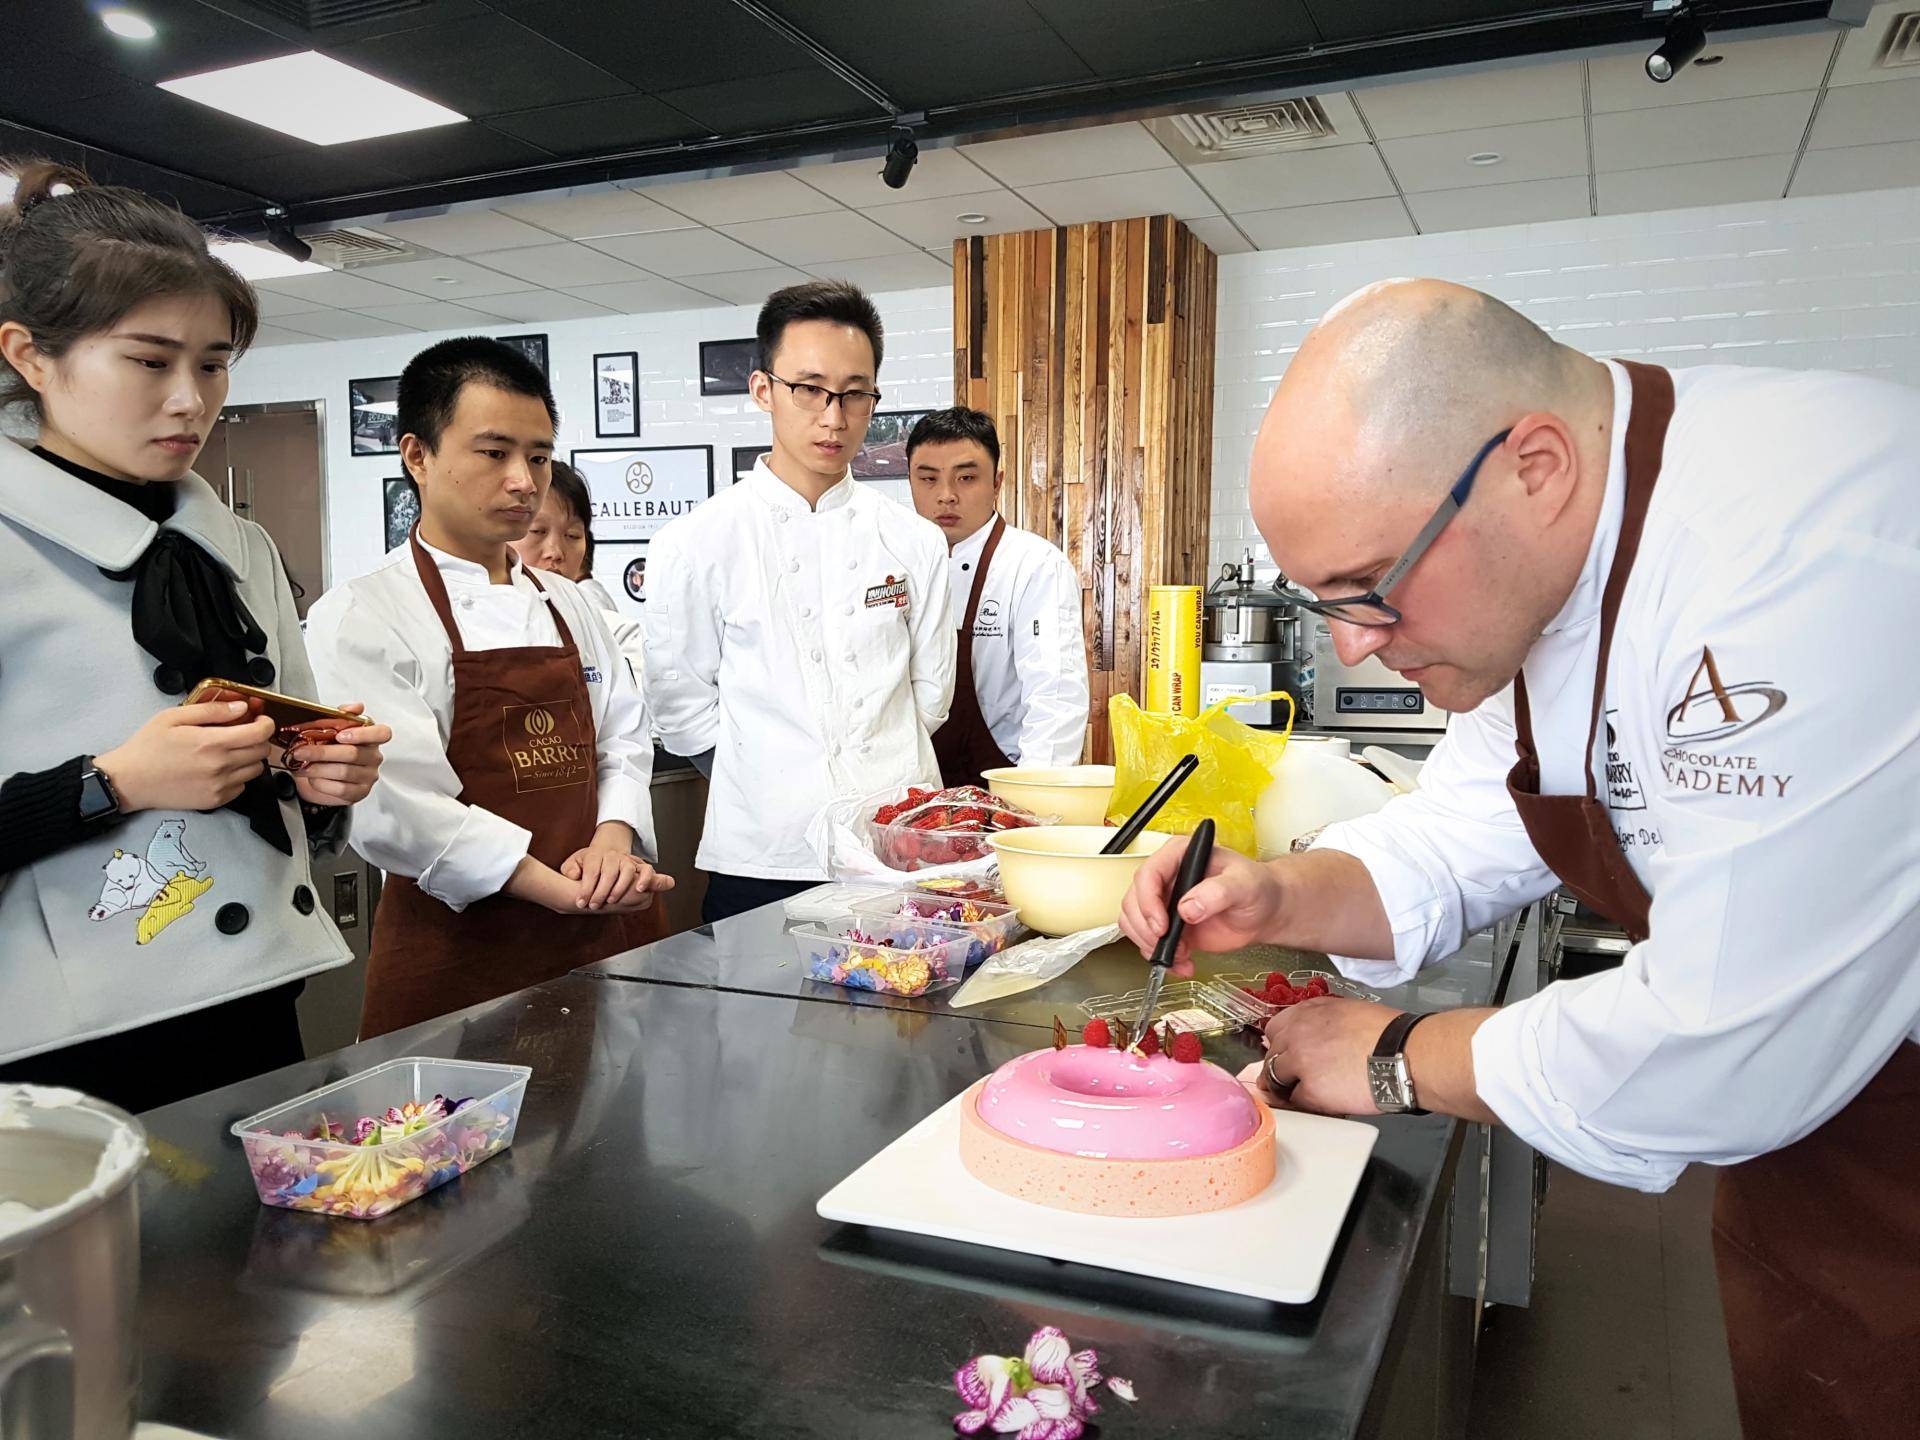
(534, 347)
(884, 456)
(744, 457)
(402, 510)
(636, 490)
(616, 395)
(374, 415)
(725, 366)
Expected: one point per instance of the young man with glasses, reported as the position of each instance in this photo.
(1672, 613)
(799, 641)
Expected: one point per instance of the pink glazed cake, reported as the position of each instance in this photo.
(1108, 1132)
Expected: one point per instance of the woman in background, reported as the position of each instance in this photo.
(560, 541)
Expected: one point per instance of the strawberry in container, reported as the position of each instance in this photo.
(942, 827)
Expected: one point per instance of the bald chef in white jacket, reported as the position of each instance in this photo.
(797, 623)
(1020, 684)
(1673, 614)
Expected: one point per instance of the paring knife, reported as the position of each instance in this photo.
(1193, 869)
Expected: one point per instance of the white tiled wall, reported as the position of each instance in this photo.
(1829, 282)
(917, 374)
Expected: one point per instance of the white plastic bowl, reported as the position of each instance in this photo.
(1078, 794)
(1058, 880)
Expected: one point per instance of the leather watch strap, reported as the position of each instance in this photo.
(1394, 1038)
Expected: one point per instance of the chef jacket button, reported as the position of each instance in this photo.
(816, 657)
(232, 919)
(965, 566)
(283, 785)
(853, 564)
(805, 613)
(303, 899)
(781, 516)
(793, 567)
(169, 680)
(260, 670)
(849, 610)
(856, 703)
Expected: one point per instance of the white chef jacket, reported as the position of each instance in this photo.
(628, 633)
(378, 638)
(1029, 645)
(1781, 846)
(812, 650)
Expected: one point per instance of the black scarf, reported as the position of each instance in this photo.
(187, 615)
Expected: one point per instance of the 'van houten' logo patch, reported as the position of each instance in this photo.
(892, 592)
(546, 745)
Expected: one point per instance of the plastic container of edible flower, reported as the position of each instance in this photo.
(894, 957)
(364, 1146)
(996, 925)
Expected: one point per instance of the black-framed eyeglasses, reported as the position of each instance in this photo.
(854, 404)
(1371, 609)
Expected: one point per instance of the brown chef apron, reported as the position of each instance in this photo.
(965, 745)
(1817, 1245)
(522, 741)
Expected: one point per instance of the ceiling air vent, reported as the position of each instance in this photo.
(1249, 129)
(1901, 49)
(326, 14)
(343, 249)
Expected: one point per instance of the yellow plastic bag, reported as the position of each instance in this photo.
(1236, 765)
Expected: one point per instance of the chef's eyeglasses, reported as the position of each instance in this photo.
(1371, 609)
(854, 404)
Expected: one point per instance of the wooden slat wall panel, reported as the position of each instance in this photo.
(1092, 348)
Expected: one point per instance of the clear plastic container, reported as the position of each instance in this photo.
(1245, 985)
(964, 887)
(333, 1177)
(894, 957)
(902, 847)
(997, 925)
(1204, 1007)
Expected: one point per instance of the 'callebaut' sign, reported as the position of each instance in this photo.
(635, 491)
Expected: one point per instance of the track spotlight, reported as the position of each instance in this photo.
(900, 157)
(1686, 38)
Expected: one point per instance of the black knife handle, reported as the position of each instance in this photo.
(1193, 869)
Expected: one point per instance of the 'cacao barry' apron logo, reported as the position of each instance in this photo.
(546, 745)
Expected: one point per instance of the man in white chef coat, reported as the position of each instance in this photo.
(797, 623)
(1020, 682)
(518, 830)
(1673, 615)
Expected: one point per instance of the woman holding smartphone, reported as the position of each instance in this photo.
(157, 912)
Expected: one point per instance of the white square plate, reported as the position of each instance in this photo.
(1272, 1247)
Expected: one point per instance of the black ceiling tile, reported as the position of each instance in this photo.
(773, 102)
(481, 66)
(313, 172)
(470, 148)
(171, 130)
(847, 25)
(1148, 36)
(665, 44)
(919, 78)
(192, 37)
(196, 197)
(623, 122)
(407, 17)
(1340, 20)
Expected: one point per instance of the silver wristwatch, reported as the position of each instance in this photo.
(1389, 1081)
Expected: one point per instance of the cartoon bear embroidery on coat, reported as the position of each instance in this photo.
(160, 886)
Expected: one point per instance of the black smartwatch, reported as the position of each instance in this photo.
(1388, 1078)
(99, 801)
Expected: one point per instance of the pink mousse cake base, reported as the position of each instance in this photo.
(1090, 1185)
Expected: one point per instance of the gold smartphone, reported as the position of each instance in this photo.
(299, 722)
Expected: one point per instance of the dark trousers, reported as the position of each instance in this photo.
(730, 895)
(157, 1064)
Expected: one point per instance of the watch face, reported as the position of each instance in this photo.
(1383, 1081)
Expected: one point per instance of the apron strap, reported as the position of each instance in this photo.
(980, 579)
(436, 589)
(1645, 447)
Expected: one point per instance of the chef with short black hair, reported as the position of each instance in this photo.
(1020, 688)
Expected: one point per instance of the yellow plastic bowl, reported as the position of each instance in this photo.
(1058, 880)
(1078, 794)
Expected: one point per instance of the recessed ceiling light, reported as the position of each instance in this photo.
(127, 25)
(261, 262)
(313, 97)
(971, 217)
(446, 280)
(1486, 157)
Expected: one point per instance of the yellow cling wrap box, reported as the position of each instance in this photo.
(1173, 650)
(1236, 765)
